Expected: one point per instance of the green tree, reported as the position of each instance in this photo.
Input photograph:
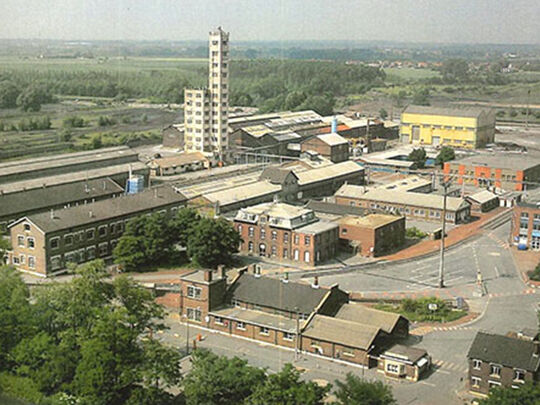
(220, 381)
(383, 113)
(213, 242)
(32, 98)
(183, 224)
(286, 388)
(323, 105)
(446, 154)
(96, 142)
(129, 252)
(354, 391)
(4, 247)
(421, 97)
(418, 156)
(15, 313)
(73, 122)
(527, 394)
(455, 70)
(294, 99)
(8, 94)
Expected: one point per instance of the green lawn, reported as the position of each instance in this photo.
(397, 75)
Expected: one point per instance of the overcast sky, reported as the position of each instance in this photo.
(474, 21)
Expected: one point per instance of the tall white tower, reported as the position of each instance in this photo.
(206, 110)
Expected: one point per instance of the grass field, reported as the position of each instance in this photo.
(399, 75)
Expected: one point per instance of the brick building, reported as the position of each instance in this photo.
(526, 225)
(331, 146)
(43, 244)
(409, 204)
(505, 170)
(373, 234)
(496, 360)
(307, 317)
(286, 233)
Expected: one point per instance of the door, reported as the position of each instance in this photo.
(435, 140)
(296, 254)
(415, 133)
(262, 249)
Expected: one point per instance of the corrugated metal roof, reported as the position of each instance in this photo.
(328, 172)
(332, 139)
(242, 193)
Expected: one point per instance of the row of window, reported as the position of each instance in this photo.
(83, 255)
(419, 212)
(285, 252)
(274, 235)
(70, 239)
(405, 124)
(28, 242)
(495, 370)
(21, 260)
(262, 329)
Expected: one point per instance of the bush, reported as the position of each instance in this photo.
(419, 310)
(73, 122)
(414, 233)
(106, 121)
(535, 274)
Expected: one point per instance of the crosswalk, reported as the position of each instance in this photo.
(449, 366)
(509, 294)
(424, 330)
(498, 241)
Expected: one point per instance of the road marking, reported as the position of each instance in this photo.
(426, 383)
(497, 272)
(494, 254)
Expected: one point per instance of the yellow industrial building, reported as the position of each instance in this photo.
(460, 128)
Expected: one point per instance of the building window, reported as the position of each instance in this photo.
(90, 233)
(103, 249)
(239, 228)
(495, 370)
(286, 237)
(264, 330)
(274, 251)
(31, 243)
(20, 241)
(241, 325)
(493, 384)
(296, 239)
(344, 231)
(26, 227)
(250, 246)
(519, 375)
(102, 231)
(22, 259)
(91, 253)
(55, 242)
(16, 260)
(219, 320)
(285, 253)
(475, 381)
(194, 314)
(307, 240)
(236, 304)
(306, 256)
(55, 262)
(288, 336)
(477, 364)
(263, 233)
(31, 262)
(194, 292)
(251, 231)
(392, 368)
(68, 240)
(274, 235)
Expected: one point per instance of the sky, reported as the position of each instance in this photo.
(435, 21)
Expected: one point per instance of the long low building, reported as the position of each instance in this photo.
(117, 173)
(67, 163)
(43, 244)
(411, 205)
(16, 205)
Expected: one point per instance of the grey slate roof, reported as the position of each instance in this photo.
(273, 293)
(453, 112)
(42, 198)
(336, 209)
(387, 321)
(506, 351)
(106, 209)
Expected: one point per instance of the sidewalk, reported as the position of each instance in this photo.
(454, 236)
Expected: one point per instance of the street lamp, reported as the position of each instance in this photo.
(187, 319)
(445, 184)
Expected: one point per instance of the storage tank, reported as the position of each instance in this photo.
(135, 184)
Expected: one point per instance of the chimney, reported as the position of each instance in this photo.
(222, 272)
(315, 282)
(90, 214)
(52, 213)
(86, 189)
(285, 279)
(208, 275)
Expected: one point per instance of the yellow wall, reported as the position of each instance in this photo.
(455, 131)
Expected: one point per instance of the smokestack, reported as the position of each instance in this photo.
(334, 125)
(208, 275)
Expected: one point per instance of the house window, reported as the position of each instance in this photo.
(90, 233)
(20, 241)
(31, 243)
(285, 253)
(477, 364)
(250, 246)
(103, 249)
(285, 237)
(102, 231)
(519, 375)
(307, 256)
(194, 314)
(274, 251)
(348, 352)
(236, 304)
(493, 384)
(31, 262)
(55, 262)
(288, 336)
(307, 240)
(16, 260)
(55, 242)
(194, 292)
(296, 239)
(22, 259)
(344, 231)
(475, 382)
(274, 235)
(251, 231)
(239, 228)
(241, 325)
(263, 233)
(219, 320)
(264, 330)
(68, 240)
(26, 227)
(495, 370)
(91, 253)
(392, 368)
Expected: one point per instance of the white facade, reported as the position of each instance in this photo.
(206, 110)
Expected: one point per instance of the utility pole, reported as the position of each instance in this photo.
(527, 116)
(441, 267)
(296, 346)
(187, 319)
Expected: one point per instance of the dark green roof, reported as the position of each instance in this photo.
(39, 199)
(504, 350)
(274, 293)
